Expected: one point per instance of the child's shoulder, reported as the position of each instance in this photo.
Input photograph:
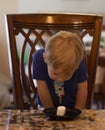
(39, 52)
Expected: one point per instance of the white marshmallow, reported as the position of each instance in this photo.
(61, 110)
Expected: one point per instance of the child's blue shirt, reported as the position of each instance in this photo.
(40, 72)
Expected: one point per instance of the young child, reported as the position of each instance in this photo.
(60, 72)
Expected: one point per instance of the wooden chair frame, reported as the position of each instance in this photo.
(16, 23)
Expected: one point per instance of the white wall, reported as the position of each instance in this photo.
(6, 6)
(90, 6)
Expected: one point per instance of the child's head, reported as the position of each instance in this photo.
(63, 53)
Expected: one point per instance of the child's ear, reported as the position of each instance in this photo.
(44, 57)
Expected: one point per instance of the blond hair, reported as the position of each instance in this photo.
(64, 50)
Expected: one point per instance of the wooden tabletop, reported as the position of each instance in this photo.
(37, 120)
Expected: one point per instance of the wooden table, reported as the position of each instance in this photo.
(37, 120)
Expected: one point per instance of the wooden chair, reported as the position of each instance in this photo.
(27, 32)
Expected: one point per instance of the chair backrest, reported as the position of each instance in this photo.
(28, 32)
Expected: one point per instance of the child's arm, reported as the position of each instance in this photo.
(44, 94)
(81, 96)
